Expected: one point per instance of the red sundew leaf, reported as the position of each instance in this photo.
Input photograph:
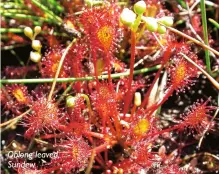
(50, 63)
(101, 26)
(197, 117)
(105, 101)
(19, 92)
(142, 154)
(182, 72)
(44, 117)
(73, 154)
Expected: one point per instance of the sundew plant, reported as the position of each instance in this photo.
(109, 86)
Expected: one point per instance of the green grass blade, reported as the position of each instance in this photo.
(214, 23)
(205, 32)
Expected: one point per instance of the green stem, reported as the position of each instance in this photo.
(21, 30)
(17, 57)
(65, 92)
(205, 32)
(47, 11)
(15, 11)
(24, 16)
(10, 5)
(56, 5)
(214, 23)
(136, 23)
(61, 80)
(11, 30)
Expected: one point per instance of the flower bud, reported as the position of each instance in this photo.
(161, 29)
(89, 3)
(35, 56)
(36, 45)
(137, 99)
(28, 32)
(127, 17)
(166, 20)
(151, 24)
(37, 30)
(70, 101)
(140, 7)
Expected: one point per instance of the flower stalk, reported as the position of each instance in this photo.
(59, 69)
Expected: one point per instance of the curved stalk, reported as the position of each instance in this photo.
(14, 119)
(88, 105)
(192, 39)
(59, 69)
(211, 79)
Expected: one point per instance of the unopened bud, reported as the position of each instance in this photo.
(35, 56)
(89, 3)
(161, 29)
(137, 100)
(36, 45)
(151, 23)
(140, 7)
(127, 17)
(28, 32)
(37, 30)
(70, 101)
(166, 20)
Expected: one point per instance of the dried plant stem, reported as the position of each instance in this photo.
(91, 161)
(150, 110)
(200, 154)
(166, 57)
(59, 69)
(14, 119)
(211, 79)
(192, 39)
(62, 80)
(146, 97)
